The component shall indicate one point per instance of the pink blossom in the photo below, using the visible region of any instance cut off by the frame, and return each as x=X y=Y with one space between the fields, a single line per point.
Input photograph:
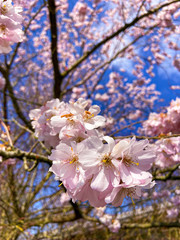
x=41 y=121
x=102 y=97
x=105 y=166
x=67 y=163
x=106 y=219
x=88 y=194
x=135 y=115
x=118 y=194
x=10 y=161
x=11 y=11
x=68 y=122
x=114 y=226
x=136 y=157
x=168 y=152
x=64 y=198
x=176 y=63
x=10 y=25
x=164 y=123
x=172 y=213
x=80 y=13
x=77 y=115
x=2 y=83
x=91 y=166
x=99 y=212
x=121 y=191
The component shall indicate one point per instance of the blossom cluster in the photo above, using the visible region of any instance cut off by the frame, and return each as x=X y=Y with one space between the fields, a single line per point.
x=10 y=25
x=171 y=203
x=113 y=223
x=90 y=165
x=58 y=121
x=163 y=123
x=168 y=152
x=173 y=210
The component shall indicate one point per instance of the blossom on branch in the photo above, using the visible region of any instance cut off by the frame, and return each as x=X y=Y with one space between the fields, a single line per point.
x=10 y=25
x=91 y=166
x=57 y=121
x=165 y=123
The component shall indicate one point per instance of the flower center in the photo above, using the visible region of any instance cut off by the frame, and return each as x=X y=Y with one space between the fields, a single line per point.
x=4 y=9
x=74 y=159
x=2 y=29
x=88 y=115
x=130 y=193
x=107 y=159
x=127 y=161
x=79 y=139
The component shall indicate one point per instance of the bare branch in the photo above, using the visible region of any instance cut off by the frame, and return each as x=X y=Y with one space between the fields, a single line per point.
x=150 y=225
x=17 y=153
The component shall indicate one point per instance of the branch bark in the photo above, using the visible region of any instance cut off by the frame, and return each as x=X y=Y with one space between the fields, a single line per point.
x=17 y=153
x=151 y=225
x=58 y=79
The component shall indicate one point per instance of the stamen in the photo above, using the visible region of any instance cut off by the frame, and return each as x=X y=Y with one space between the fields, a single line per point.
x=60 y=184
x=68 y=135
x=132 y=201
x=67 y=115
x=74 y=159
x=136 y=163
x=88 y=115
x=127 y=160
x=87 y=112
x=106 y=159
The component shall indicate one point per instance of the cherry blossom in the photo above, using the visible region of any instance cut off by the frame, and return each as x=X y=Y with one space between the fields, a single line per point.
x=10 y=25
x=168 y=152
x=135 y=158
x=64 y=198
x=113 y=224
x=41 y=121
x=60 y=121
x=67 y=165
x=91 y=166
x=2 y=82
x=163 y=123
x=121 y=191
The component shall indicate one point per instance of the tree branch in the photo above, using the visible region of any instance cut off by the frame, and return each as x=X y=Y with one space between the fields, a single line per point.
x=17 y=153
x=168 y=176
x=150 y=225
x=122 y=29
x=58 y=79
x=5 y=73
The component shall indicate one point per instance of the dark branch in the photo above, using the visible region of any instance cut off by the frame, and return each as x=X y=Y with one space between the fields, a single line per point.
x=16 y=105
x=54 y=54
